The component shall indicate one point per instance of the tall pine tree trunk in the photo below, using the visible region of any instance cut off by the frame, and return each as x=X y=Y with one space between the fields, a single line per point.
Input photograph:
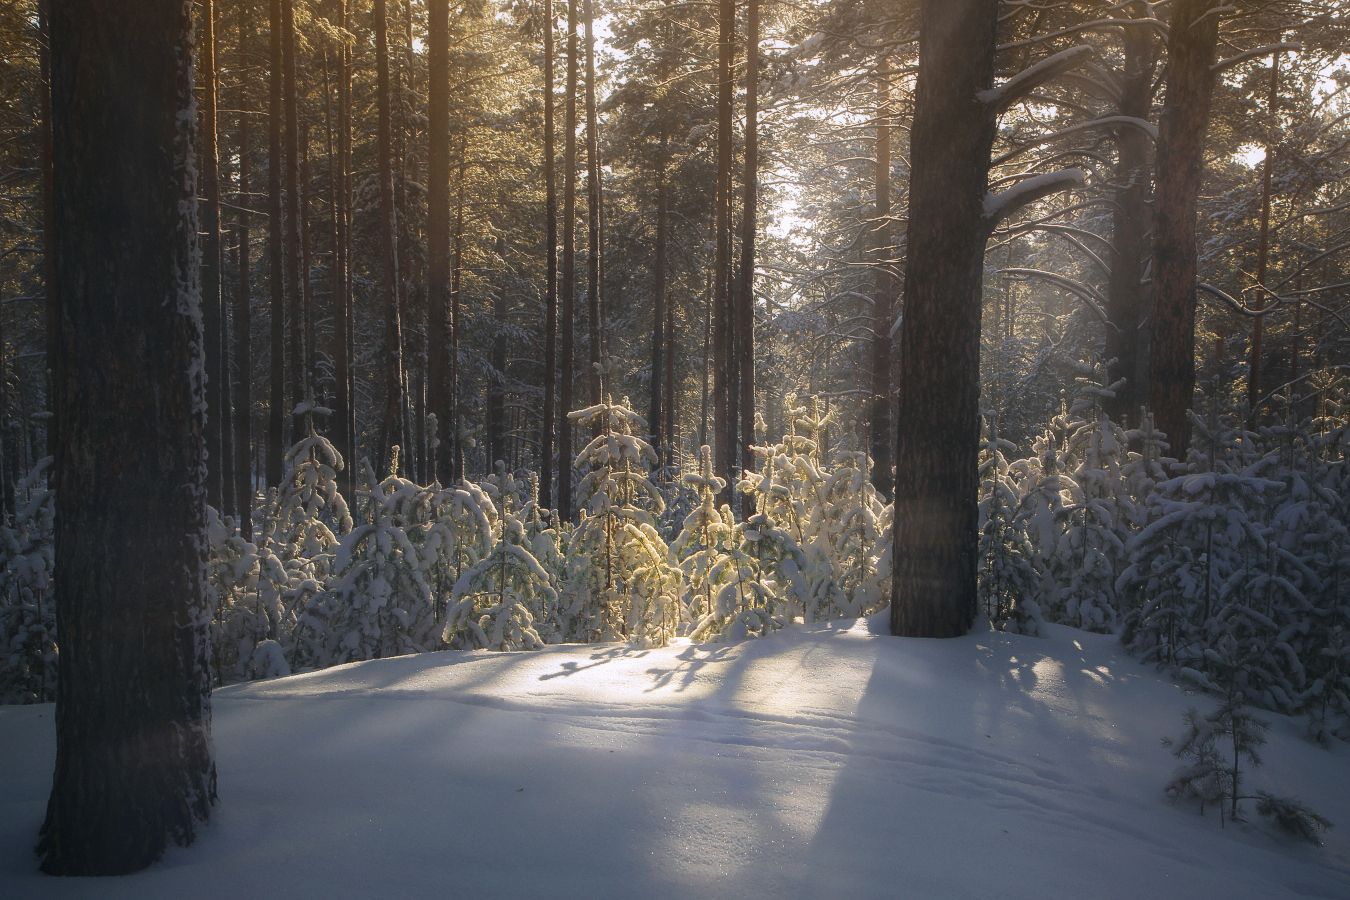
x=276 y=413
x=745 y=313
x=438 y=230
x=344 y=323
x=1192 y=38
x=134 y=769
x=548 y=427
x=456 y=445
x=392 y=427
x=594 y=235
x=568 y=287
x=243 y=315
x=933 y=591
x=1126 y=301
x=297 y=276
x=722 y=312
x=654 y=412
x=217 y=466
x=1254 y=376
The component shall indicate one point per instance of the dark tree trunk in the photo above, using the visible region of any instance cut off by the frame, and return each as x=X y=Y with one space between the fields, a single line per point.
x=548 y=428
x=456 y=446
x=438 y=231
x=1192 y=37
x=133 y=760
x=496 y=394
x=276 y=412
x=933 y=592
x=568 y=301
x=53 y=309
x=213 y=265
x=1126 y=301
x=594 y=235
x=243 y=316
x=745 y=313
x=1263 y=242
x=723 y=313
x=654 y=413
x=672 y=394
x=880 y=430
x=343 y=322
x=391 y=431
x=297 y=276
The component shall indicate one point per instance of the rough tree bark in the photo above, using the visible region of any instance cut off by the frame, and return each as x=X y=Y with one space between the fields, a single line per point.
x=392 y=427
x=745 y=294
x=1192 y=36
x=654 y=412
x=133 y=762
x=438 y=230
x=212 y=264
x=548 y=427
x=568 y=287
x=276 y=401
x=297 y=276
x=724 y=454
x=243 y=315
x=594 y=236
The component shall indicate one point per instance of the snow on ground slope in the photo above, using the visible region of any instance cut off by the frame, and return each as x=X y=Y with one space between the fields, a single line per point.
x=816 y=763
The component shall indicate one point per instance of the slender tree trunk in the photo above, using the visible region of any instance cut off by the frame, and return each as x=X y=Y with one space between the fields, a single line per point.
x=548 y=428
x=1192 y=38
x=133 y=718
x=725 y=453
x=53 y=306
x=309 y=349
x=568 y=287
x=438 y=230
x=654 y=413
x=594 y=239
x=456 y=445
x=745 y=318
x=276 y=413
x=1263 y=241
x=391 y=432
x=243 y=315
x=933 y=592
x=496 y=394
x=297 y=276
x=1126 y=300
x=881 y=431
x=344 y=323
x=672 y=394
x=212 y=264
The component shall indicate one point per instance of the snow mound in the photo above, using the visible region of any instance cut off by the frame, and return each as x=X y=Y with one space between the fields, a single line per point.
x=822 y=762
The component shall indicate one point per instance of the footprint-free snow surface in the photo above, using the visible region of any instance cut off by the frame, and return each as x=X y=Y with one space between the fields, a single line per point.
x=833 y=762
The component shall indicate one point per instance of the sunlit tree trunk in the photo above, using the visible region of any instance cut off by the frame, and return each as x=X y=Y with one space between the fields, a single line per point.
x=568 y=286
x=933 y=592
x=392 y=427
x=548 y=427
x=723 y=313
x=212 y=264
x=594 y=238
x=438 y=230
x=134 y=768
x=745 y=313
x=276 y=413
x=243 y=314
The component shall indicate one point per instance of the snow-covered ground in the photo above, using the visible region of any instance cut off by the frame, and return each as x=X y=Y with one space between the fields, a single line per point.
x=813 y=763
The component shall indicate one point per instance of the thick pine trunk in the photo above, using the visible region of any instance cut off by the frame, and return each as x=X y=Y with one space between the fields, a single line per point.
x=344 y=325
x=1192 y=38
x=548 y=427
x=276 y=402
x=568 y=286
x=880 y=430
x=133 y=763
x=1126 y=301
x=392 y=428
x=496 y=394
x=457 y=264
x=937 y=451
x=438 y=230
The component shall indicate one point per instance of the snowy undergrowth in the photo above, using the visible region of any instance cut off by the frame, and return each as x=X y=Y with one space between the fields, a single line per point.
x=814 y=762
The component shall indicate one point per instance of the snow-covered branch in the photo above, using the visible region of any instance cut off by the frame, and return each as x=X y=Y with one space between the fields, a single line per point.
x=1284 y=46
x=1000 y=206
x=1024 y=82
x=1105 y=121
x=1091 y=298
